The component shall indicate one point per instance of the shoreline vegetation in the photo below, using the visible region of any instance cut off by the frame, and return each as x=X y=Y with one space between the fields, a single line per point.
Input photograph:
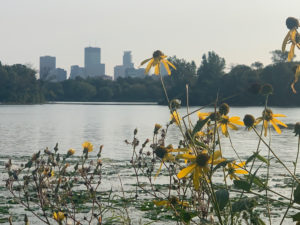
x=238 y=85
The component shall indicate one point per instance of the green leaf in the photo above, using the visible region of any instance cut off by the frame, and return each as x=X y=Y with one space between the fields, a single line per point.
x=251 y=158
x=297 y=194
x=260 y=221
x=258 y=156
x=244 y=204
x=200 y=144
x=199 y=125
x=242 y=184
x=221 y=164
x=296 y=217
x=263 y=159
x=222 y=197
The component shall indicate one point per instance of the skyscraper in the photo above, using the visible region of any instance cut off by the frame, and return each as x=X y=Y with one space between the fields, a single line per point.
x=127 y=59
x=47 y=63
x=92 y=62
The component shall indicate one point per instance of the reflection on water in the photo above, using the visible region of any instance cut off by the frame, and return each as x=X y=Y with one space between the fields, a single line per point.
x=25 y=129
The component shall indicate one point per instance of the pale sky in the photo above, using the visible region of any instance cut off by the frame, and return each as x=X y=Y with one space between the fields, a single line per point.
x=240 y=31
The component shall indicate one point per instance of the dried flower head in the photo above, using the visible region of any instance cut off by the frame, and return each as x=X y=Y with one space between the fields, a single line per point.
x=161 y=151
x=292 y=23
x=224 y=109
x=297 y=129
x=249 y=120
x=267 y=89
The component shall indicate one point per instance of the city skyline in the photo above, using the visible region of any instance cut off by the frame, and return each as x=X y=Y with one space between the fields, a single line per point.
x=242 y=32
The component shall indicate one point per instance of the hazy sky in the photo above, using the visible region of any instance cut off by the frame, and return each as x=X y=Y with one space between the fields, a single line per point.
x=240 y=31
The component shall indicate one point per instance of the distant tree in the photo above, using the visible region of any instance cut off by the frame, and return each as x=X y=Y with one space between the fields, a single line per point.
x=257 y=65
x=278 y=56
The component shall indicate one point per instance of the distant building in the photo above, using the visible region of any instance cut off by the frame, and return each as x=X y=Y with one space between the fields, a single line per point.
x=127 y=69
x=92 y=62
x=57 y=75
x=47 y=63
x=77 y=71
x=132 y=72
x=127 y=59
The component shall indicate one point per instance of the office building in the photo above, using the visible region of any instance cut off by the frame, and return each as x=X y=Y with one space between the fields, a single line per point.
x=57 y=75
x=92 y=62
x=77 y=71
x=47 y=63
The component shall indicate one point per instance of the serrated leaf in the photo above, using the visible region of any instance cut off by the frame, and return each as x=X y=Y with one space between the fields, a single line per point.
x=199 y=125
x=242 y=184
x=296 y=217
x=222 y=197
x=297 y=194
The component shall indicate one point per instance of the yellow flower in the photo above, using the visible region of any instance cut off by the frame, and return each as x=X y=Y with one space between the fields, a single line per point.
x=87 y=147
x=175 y=117
x=199 y=165
x=292 y=24
x=71 y=151
x=226 y=122
x=155 y=61
x=173 y=201
x=164 y=153
x=59 y=216
x=203 y=115
x=234 y=168
x=268 y=116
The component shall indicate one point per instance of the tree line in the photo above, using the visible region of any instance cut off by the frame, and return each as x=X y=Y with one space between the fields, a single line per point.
x=237 y=86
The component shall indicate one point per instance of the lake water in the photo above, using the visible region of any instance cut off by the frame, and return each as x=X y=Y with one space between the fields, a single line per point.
x=25 y=129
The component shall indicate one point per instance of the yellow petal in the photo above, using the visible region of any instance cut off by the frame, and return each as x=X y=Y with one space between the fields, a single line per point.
x=159 y=169
x=239 y=165
x=167 y=67
x=146 y=60
x=241 y=171
x=224 y=129
x=171 y=64
x=236 y=120
x=258 y=120
x=279 y=115
x=266 y=127
x=186 y=171
x=149 y=66
x=275 y=127
x=291 y=53
x=196 y=178
x=157 y=69
x=233 y=127
x=186 y=156
x=286 y=39
x=279 y=122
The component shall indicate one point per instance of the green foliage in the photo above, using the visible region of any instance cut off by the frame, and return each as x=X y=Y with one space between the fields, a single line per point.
x=222 y=197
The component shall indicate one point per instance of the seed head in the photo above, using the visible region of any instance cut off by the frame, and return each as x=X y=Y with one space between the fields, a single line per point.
x=157 y=54
x=224 y=109
x=291 y=23
x=297 y=129
x=267 y=114
x=202 y=159
x=249 y=120
x=160 y=152
x=267 y=89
